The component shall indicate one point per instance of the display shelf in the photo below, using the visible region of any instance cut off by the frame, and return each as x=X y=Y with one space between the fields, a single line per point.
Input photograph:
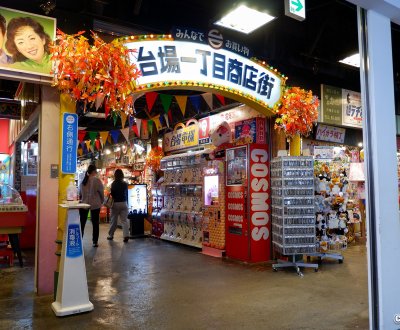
x=182 y=209
x=293 y=210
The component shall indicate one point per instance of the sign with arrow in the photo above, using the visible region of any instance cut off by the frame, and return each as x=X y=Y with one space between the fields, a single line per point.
x=296 y=9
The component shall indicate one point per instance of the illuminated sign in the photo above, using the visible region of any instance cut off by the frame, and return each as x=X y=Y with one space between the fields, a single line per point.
x=182 y=137
x=180 y=64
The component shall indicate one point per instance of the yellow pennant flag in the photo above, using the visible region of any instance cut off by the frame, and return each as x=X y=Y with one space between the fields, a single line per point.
x=103 y=137
x=123 y=118
x=156 y=119
x=87 y=142
x=181 y=100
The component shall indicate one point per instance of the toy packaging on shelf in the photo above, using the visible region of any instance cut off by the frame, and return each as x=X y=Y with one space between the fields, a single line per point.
x=293 y=210
x=181 y=190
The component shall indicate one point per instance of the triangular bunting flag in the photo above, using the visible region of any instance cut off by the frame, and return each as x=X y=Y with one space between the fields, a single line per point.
x=220 y=98
x=162 y=121
x=123 y=118
x=196 y=101
x=103 y=137
x=135 y=130
x=87 y=142
x=166 y=119
x=209 y=99
x=80 y=151
x=92 y=137
x=81 y=135
x=139 y=126
x=150 y=126
x=125 y=133
x=115 y=135
x=144 y=133
x=150 y=99
x=156 y=120
x=98 y=144
x=106 y=108
x=115 y=117
x=170 y=116
x=181 y=100
x=131 y=121
x=166 y=101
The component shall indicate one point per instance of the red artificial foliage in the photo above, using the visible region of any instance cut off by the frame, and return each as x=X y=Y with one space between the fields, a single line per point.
x=297 y=113
x=99 y=72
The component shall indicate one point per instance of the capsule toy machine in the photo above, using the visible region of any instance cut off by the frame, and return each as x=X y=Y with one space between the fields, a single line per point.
x=157 y=226
x=248 y=203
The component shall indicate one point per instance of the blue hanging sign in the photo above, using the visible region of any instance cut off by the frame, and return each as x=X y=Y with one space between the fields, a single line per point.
x=69 y=143
x=74 y=243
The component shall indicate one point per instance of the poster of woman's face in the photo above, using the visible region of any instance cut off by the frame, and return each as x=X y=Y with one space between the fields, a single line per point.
x=25 y=41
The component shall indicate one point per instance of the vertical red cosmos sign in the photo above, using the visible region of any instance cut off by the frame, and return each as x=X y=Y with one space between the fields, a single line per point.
x=259 y=204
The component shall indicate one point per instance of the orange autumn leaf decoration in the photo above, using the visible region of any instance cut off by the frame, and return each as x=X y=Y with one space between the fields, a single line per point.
x=94 y=73
x=153 y=159
x=297 y=113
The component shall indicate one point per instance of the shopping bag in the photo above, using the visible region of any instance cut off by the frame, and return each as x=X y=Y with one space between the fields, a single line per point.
x=109 y=202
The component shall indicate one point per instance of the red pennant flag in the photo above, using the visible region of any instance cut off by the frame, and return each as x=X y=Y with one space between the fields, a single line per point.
x=98 y=144
x=151 y=99
x=135 y=130
x=170 y=116
x=220 y=98
x=81 y=135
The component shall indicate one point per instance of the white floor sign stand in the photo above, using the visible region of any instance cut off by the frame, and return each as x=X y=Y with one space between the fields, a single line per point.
x=72 y=290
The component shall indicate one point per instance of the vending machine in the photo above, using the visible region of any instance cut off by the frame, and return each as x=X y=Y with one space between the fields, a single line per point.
x=248 y=203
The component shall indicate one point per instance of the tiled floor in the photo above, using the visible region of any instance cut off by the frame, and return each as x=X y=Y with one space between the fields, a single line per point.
x=152 y=284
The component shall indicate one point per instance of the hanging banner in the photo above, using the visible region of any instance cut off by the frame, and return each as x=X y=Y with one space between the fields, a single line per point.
x=195 y=100
x=115 y=135
x=181 y=100
x=330 y=133
x=151 y=99
x=69 y=143
x=15 y=59
x=340 y=107
x=166 y=101
x=103 y=137
x=208 y=98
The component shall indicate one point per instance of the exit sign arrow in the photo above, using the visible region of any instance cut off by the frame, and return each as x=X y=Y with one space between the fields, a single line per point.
x=299 y=6
x=296 y=9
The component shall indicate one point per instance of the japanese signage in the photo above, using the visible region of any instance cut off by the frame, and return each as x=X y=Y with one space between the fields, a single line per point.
x=324 y=152
x=351 y=108
x=137 y=198
x=69 y=143
x=250 y=130
x=330 y=133
x=204 y=130
x=183 y=63
x=181 y=138
x=14 y=57
x=74 y=243
x=341 y=106
x=331 y=100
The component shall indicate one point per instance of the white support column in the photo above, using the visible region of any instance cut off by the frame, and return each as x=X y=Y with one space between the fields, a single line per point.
x=381 y=167
x=47 y=205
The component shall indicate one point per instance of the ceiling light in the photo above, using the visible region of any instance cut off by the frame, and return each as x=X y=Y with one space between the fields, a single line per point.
x=353 y=60
x=244 y=19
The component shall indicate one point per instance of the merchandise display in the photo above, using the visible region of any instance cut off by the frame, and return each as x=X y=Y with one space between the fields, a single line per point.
x=293 y=211
x=182 y=190
x=214 y=206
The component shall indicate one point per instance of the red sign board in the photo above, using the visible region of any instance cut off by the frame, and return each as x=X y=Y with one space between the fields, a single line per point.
x=259 y=204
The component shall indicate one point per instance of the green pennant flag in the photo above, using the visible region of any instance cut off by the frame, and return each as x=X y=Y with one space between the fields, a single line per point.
x=115 y=117
x=150 y=126
x=92 y=137
x=166 y=101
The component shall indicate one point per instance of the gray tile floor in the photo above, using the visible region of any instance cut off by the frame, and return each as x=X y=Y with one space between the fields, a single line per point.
x=152 y=284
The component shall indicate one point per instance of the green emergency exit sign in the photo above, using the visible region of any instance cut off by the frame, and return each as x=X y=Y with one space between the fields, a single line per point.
x=296 y=9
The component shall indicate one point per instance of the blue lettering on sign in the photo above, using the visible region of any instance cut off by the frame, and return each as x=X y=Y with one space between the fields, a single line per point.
x=69 y=143
x=74 y=243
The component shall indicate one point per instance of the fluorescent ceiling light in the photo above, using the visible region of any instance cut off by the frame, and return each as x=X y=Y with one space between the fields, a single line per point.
x=353 y=60
x=244 y=19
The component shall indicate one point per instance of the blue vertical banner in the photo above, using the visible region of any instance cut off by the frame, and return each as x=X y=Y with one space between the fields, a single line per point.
x=69 y=143
x=74 y=243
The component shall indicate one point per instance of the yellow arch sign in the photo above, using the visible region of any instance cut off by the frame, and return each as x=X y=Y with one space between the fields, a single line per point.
x=166 y=63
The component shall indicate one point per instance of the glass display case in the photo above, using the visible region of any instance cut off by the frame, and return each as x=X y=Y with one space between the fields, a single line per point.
x=10 y=199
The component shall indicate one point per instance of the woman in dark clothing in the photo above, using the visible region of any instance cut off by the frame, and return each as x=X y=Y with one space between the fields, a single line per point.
x=91 y=192
x=119 y=193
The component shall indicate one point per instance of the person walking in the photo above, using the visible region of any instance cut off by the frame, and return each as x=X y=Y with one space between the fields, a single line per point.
x=119 y=193
x=91 y=192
